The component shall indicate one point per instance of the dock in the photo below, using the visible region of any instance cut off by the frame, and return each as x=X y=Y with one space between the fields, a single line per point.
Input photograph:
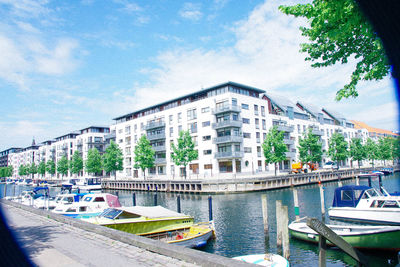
x=236 y=185
x=54 y=240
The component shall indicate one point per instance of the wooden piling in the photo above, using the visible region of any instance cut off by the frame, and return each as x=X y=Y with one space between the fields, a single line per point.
x=210 y=213
x=357 y=180
x=380 y=183
x=278 y=223
x=265 y=211
x=133 y=199
x=285 y=232
x=296 y=204
x=178 y=203
x=321 y=193
x=339 y=181
x=5 y=190
x=155 y=199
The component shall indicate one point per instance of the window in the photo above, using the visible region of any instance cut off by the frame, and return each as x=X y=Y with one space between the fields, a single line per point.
x=246 y=135
x=206 y=137
x=247 y=149
x=256 y=110
x=263 y=111
x=179 y=117
x=141 y=126
x=171 y=131
x=120 y=131
x=245 y=106
x=192 y=127
x=135 y=127
x=127 y=129
x=264 y=136
x=246 y=121
x=234 y=102
x=258 y=137
x=191 y=114
x=179 y=128
x=264 y=125
x=171 y=118
x=207 y=152
x=257 y=122
x=207 y=166
x=205 y=123
x=205 y=110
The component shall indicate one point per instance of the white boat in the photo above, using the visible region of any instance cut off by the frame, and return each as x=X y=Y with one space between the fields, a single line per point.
x=88 y=184
x=365 y=204
x=268 y=259
x=90 y=205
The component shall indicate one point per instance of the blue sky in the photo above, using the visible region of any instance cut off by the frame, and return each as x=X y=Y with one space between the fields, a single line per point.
x=66 y=65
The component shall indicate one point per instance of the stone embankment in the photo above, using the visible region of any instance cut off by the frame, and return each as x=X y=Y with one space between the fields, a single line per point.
x=236 y=185
x=53 y=240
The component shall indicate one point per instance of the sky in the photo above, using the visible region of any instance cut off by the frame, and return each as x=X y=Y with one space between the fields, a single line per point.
x=67 y=65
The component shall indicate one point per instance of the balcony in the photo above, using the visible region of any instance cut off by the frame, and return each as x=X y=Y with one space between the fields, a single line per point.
x=96 y=142
x=285 y=128
x=159 y=148
x=288 y=141
x=156 y=136
x=317 y=131
x=225 y=124
x=229 y=155
x=228 y=139
x=154 y=125
x=160 y=161
x=291 y=155
x=227 y=108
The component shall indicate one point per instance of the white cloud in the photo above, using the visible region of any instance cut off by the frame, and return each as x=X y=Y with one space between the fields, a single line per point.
x=191 y=11
x=27 y=8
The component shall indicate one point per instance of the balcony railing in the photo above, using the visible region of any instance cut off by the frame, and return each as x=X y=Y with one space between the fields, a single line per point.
x=154 y=125
x=224 y=124
x=317 y=131
x=290 y=154
x=156 y=136
x=160 y=160
x=229 y=154
x=228 y=139
x=227 y=108
x=288 y=141
x=285 y=128
x=159 y=148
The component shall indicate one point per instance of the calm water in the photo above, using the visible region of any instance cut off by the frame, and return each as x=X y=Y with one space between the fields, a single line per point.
x=239 y=224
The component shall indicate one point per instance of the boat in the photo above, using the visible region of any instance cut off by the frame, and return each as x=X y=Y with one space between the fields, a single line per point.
x=387 y=171
x=268 y=259
x=364 y=204
x=366 y=237
x=91 y=205
x=142 y=220
x=88 y=184
x=195 y=236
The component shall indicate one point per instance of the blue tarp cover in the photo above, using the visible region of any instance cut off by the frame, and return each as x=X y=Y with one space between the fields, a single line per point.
x=349 y=195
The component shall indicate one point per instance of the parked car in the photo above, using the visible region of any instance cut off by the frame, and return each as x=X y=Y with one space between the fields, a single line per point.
x=331 y=165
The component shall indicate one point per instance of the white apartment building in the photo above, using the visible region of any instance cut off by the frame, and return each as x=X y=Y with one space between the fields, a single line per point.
x=228 y=123
x=65 y=145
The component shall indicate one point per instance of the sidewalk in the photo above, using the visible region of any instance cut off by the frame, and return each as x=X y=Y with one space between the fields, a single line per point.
x=52 y=241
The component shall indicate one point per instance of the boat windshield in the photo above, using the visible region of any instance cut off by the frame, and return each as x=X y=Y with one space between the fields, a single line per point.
x=371 y=193
x=110 y=213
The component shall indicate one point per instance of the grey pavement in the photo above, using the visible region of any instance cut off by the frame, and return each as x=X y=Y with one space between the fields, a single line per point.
x=55 y=240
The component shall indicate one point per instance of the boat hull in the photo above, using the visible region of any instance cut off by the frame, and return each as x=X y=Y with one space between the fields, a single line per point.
x=388 y=239
x=373 y=216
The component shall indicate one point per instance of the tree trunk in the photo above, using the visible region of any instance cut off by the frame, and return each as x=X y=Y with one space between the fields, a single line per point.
x=276 y=164
x=115 y=175
x=185 y=172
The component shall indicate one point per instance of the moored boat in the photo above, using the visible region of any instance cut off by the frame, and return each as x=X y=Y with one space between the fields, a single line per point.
x=267 y=259
x=141 y=220
x=359 y=236
x=364 y=204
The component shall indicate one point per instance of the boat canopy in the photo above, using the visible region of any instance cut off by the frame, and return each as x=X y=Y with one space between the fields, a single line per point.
x=149 y=212
x=349 y=195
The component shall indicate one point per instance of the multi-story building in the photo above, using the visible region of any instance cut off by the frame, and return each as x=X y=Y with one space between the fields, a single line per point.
x=5 y=156
x=228 y=124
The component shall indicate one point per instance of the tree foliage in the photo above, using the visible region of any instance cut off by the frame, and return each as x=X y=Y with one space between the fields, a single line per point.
x=42 y=168
x=337 y=148
x=274 y=147
x=371 y=148
x=93 y=164
x=51 y=167
x=113 y=159
x=385 y=150
x=62 y=166
x=339 y=31
x=357 y=150
x=184 y=152
x=310 y=148
x=76 y=163
x=22 y=170
x=144 y=154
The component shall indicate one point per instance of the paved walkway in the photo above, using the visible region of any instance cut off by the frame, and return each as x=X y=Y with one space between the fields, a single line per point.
x=52 y=243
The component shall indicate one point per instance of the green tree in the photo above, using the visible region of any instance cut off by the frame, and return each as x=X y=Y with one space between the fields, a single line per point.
x=310 y=148
x=357 y=151
x=93 y=164
x=76 y=163
x=371 y=148
x=2 y=172
x=144 y=154
x=274 y=147
x=385 y=147
x=51 y=167
x=337 y=148
x=62 y=166
x=184 y=152
x=113 y=159
x=42 y=168
x=396 y=148
x=32 y=169
x=22 y=170
x=339 y=31
x=9 y=171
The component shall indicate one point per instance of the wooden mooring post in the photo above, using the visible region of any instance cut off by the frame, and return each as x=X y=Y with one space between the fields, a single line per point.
x=321 y=194
x=264 y=204
x=5 y=190
x=327 y=234
x=178 y=203
x=296 y=204
x=133 y=199
x=282 y=230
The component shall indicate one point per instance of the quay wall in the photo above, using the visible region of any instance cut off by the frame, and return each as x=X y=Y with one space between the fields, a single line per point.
x=193 y=256
x=237 y=185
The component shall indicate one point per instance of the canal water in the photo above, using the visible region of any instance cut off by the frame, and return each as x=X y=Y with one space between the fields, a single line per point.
x=239 y=222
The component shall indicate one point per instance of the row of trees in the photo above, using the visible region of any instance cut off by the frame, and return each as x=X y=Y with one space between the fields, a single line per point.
x=111 y=161
x=310 y=148
x=6 y=171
